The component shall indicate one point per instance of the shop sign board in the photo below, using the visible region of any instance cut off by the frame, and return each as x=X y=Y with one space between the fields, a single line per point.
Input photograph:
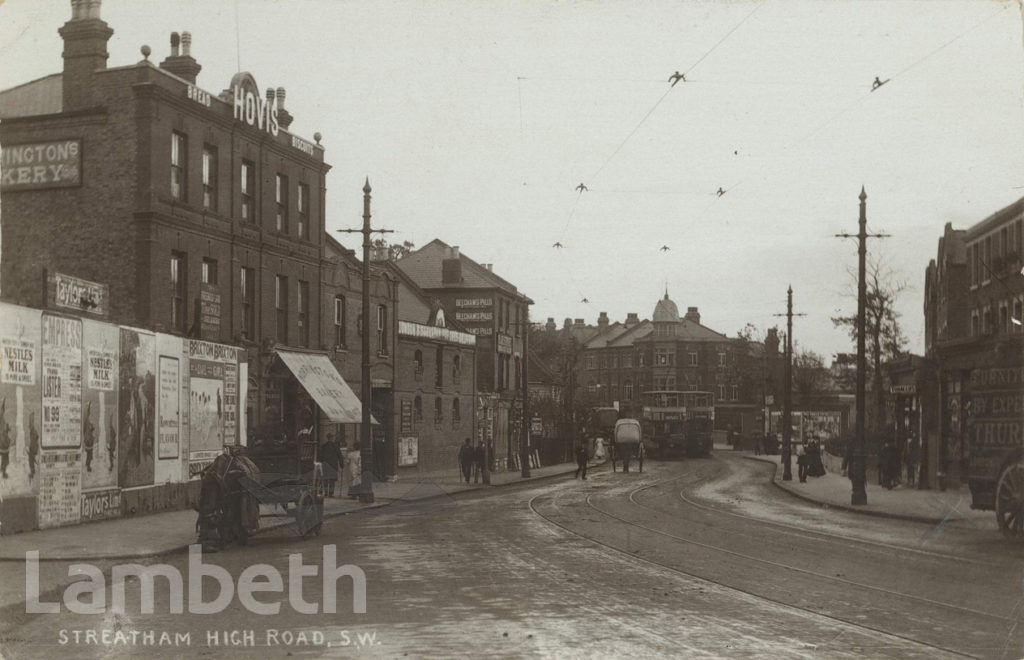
x=37 y=165
x=504 y=344
x=408 y=451
x=67 y=292
x=209 y=311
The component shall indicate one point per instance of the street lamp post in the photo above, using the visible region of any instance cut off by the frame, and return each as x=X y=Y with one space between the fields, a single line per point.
x=858 y=468
x=366 y=391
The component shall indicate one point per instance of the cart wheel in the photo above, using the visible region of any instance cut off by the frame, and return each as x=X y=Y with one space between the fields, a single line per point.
x=308 y=516
x=1010 y=501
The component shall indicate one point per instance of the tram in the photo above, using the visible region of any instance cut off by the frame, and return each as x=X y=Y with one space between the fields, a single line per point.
x=678 y=423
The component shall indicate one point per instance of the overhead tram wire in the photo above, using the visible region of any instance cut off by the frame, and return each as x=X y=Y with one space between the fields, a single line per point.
x=859 y=99
x=663 y=96
x=902 y=71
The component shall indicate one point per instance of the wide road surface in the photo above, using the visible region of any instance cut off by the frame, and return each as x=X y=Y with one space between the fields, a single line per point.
x=702 y=558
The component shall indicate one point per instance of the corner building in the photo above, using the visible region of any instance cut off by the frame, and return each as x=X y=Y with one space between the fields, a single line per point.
x=201 y=211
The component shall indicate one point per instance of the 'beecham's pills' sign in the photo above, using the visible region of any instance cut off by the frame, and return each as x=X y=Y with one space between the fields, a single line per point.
x=41 y=165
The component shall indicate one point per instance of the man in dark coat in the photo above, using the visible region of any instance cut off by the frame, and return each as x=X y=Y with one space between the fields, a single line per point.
x=466 y=460
x=479 y=460
x=581 y=460
x=329 y=455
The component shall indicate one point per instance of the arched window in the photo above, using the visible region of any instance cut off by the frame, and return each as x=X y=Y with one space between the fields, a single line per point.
x=417 y=361
x=417 y=409
x=456 y=413
x=439 y=367
x=456 y=368
x=627 y=390
x=438 y=411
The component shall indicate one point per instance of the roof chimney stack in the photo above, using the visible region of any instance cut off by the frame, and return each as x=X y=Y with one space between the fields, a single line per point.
x=451 y=267
x=632 y=319
x=692 y=315
x=85 y=50
x=580 y=323
x=181 y=63
x=550 y=325
x=284 y=118
x=602 y=321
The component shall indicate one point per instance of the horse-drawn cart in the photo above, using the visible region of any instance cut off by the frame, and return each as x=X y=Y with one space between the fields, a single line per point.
x=283 y=475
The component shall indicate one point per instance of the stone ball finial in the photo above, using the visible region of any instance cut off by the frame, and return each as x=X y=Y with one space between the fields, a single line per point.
x=146 y=51
x=317 y=137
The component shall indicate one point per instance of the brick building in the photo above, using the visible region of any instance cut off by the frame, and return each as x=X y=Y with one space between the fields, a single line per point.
x=669 y=352
x=497 y=313
x=435 y=388
x=958 y=400
x=200 y=211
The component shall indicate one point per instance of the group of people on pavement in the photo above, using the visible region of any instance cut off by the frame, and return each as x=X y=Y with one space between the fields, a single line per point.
x=472 y=461
x=808 y=460
x=891 y=462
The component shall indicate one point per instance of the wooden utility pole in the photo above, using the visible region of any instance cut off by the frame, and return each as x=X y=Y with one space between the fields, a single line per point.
x=366 y=391
x=524 y=449
x=787 y=392
x=858 y=468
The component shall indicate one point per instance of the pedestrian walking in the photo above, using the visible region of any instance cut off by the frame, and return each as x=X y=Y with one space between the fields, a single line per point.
x=758 y=444
x=911 y=461
x=354 y=468
x=801 y=462
x=479 y=459
x=466 y=460
x=329 y=455
x=581 y=460
x=885 y=463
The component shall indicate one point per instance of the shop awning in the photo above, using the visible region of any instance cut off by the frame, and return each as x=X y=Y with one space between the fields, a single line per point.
x=323 y=382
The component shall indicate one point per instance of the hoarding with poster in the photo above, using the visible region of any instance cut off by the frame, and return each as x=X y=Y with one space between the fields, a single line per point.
x=212 y=401
x=62 y=382
x=136 y=454
x=20 y=401
x=100 y=376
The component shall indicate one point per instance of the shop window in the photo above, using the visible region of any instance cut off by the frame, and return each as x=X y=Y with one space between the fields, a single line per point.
x=179 y=165
x=209 y=273
x=339 y=321
x=281 y=305
x=302 y=210
x=248 y=184
x=179 y=291
x=209 y=177
x=382 y=329
x=281 y=198
x=247 y=283
x=303 y=310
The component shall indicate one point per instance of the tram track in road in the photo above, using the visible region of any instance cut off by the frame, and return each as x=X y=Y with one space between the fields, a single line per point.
x=804 y=532
x=535 y=505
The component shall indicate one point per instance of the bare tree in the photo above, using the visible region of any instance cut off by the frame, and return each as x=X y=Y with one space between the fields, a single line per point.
x=395 y=250
x=810 y=376
x=884 y=336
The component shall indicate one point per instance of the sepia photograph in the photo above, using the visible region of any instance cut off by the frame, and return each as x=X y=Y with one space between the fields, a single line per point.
x=513 y=329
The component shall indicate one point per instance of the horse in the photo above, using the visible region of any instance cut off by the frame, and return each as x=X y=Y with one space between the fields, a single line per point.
x=227 y=511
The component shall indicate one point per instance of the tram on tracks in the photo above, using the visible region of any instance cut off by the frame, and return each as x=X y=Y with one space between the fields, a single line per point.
x=678 y=423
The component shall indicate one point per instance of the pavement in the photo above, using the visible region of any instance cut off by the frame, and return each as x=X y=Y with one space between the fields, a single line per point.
x=833 y=490
x=173 y=531
x=157 y=534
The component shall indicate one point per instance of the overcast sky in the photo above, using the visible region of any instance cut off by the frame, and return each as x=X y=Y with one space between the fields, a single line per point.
x=475 y=122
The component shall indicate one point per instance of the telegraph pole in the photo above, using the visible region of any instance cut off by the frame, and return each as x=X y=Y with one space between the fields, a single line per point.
x=858 y=470
x=366 y=392
x=524 y=448
x=787 y=393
